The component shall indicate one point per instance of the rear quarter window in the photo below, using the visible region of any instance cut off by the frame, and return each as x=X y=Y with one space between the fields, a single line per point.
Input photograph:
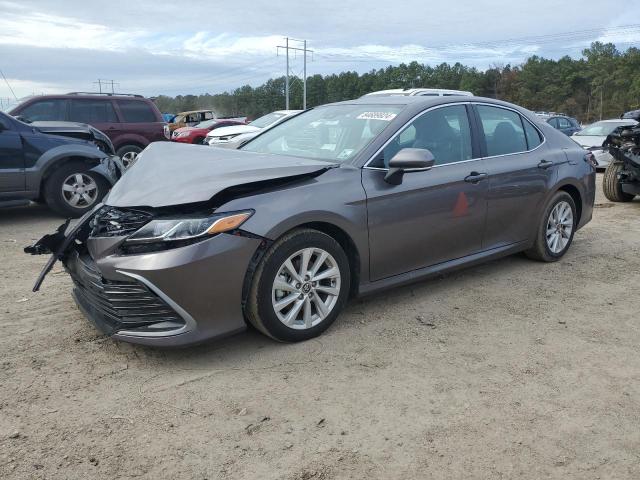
x=135 y=111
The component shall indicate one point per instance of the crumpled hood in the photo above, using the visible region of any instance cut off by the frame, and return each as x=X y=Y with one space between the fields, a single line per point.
x=167 y=173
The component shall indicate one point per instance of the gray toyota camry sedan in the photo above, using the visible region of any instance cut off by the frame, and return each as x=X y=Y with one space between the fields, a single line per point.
x=345 y=199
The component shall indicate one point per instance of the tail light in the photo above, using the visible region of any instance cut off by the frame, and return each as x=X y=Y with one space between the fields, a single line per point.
x=591 y=159
x=167 y=132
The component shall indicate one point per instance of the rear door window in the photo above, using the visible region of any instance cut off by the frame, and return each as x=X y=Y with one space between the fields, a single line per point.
x=92 y=111
x=135 y=111
x=563 y=123
x=503 y=131
x=45 y=110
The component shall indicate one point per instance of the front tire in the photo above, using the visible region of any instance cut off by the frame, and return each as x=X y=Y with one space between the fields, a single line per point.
x=300 y=286
x=72 y=189
x=611 y=184
x=556 y=229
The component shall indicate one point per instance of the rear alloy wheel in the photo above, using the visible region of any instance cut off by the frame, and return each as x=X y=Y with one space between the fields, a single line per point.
x=555 y=233
x=299 y=287
x=611 y=184
x=128 y=154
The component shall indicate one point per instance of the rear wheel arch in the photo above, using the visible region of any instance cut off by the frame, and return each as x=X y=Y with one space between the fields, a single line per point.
x=576 y=196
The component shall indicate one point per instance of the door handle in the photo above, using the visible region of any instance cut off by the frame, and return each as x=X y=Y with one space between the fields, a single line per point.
x=544 y=164
x=475 y=177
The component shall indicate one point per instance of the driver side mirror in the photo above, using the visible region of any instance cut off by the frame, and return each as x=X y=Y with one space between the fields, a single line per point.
x=407 y=160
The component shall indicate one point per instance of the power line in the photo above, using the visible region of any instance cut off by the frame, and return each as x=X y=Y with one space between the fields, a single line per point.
x=7 y=82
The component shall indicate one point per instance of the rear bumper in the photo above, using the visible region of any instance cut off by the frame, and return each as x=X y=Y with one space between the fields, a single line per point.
x=193 y=293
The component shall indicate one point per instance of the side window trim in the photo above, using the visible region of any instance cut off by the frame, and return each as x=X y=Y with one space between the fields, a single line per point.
x=522 y=119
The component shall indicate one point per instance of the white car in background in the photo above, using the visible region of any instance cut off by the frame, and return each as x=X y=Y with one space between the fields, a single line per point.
x=422 y=92
x=223 y=135
x=593 y=136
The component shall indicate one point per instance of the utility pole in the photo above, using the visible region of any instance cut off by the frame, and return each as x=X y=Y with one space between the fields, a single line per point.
x=106 y=82
x=601 y=98
x=304 y=74
x=286 y=87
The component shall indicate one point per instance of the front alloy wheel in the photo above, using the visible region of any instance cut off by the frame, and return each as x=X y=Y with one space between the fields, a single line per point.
x=79 y=190
x=299 y=287
x=306 y=288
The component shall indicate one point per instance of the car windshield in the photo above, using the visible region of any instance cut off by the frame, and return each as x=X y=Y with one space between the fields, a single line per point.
x=602 y=129
x=334 y=132
x=268 y=119
x=207 y=124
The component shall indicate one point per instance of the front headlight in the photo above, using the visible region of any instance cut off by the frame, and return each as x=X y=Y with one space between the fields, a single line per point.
x=176 y=229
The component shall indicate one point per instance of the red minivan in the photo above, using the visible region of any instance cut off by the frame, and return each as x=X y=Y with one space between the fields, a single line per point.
x=131 y=121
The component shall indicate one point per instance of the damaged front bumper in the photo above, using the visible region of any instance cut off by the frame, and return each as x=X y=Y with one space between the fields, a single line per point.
x=173 y=297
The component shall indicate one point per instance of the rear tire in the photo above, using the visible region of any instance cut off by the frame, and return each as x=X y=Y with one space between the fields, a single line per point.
x=310 y=306
x=553 y=241
x=611 y=184
x=71 y=183
x=128 y=154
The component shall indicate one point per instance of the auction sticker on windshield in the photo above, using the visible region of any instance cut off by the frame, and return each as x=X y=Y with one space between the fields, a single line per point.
x=386 y=116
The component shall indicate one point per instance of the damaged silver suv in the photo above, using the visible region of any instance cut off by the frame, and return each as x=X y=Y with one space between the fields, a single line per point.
x=344 y=199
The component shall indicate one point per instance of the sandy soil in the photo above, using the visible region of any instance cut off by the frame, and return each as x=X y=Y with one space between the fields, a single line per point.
x=513 y=369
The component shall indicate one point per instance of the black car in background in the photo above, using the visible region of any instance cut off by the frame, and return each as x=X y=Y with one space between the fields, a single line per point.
x=567 y=125
x=68 y=166
x=131 y=121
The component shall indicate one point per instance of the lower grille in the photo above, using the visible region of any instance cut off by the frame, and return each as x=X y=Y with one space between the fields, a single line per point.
x=118 y=305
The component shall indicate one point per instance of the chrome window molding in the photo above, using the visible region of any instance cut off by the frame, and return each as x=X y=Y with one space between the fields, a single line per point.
x=415 y=117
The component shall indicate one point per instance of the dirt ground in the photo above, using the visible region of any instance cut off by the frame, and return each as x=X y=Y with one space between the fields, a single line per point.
x=513 y=369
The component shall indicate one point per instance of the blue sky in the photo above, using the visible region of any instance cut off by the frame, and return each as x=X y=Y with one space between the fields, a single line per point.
x=153 y=47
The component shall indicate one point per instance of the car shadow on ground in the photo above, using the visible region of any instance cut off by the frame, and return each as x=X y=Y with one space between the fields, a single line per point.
x=26 y=214
x=248 y=347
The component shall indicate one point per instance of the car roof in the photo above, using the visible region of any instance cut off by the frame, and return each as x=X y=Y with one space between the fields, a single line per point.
x=83 y=95
x=418 y=91
x=196 y=111
x=419 y=100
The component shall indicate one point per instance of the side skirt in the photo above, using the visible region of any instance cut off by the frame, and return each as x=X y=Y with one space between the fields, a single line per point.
x=433 y=270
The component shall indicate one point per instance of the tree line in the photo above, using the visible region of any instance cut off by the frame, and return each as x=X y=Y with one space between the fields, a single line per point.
x=604 y=82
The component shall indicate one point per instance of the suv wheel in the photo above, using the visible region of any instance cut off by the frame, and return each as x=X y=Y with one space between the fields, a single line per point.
x=556 y=229
x=299 y=287
x=128 y=154
x=72 y=189
x=611 y=184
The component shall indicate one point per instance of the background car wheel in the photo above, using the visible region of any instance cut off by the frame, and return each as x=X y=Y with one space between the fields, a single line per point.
x=128 y=154
x=611 y=184
x=198 y=141
x=299 y=287
x=557 y=226
x=72 y=189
